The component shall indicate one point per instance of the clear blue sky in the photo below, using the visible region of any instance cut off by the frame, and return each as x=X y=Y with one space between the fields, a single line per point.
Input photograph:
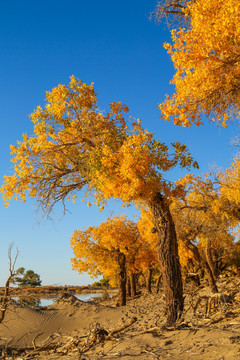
x=114 y=45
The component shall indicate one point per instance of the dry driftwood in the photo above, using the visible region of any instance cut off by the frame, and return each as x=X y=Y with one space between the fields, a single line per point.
x=123 y=327
x=99 y=334
x=212 y=302
x=96 y=335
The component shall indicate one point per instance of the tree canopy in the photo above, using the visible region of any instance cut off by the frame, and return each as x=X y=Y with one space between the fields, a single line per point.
x=76 y=147
x=112 y=248
x=206 y=57
x=26 y=278
x=205 y=222
x=95 y=248
x=229 y=181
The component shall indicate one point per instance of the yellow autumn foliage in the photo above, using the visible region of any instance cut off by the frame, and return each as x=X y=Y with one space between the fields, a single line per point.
x=230 y=183
x=76 y=147
x=96 y=248
x=205 y=217
x=206 y=58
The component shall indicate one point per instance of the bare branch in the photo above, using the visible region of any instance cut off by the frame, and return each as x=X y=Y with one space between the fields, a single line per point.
x=5 y=298
x=172 y=11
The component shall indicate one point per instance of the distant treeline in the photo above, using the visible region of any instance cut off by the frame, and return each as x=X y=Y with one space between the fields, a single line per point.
x=51 y=289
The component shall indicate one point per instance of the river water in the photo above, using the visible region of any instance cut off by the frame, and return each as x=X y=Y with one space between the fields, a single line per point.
x=41 y=301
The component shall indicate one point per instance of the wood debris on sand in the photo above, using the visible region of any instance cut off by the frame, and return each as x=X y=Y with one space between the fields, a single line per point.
x=72 y=329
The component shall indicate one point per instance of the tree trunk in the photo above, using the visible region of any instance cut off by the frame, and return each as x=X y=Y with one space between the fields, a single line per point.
x=122 y=278
x=203 y=263
x=211 y=280
x=128 y=286
x=208 y=252
x=133 y=285
x=217 y=256
x=158 y=283
x=168 y=257
x=149 y=280
x=5 y=299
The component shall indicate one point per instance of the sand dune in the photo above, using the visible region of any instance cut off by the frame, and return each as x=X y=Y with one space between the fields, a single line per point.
x=72 y=329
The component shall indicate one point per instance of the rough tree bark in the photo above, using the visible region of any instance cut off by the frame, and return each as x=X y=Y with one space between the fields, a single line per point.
x=158 y=283
x=122 y=278
x=168 y=258
x=133 y=285
x=211 y=280
x=149 y=280
x=204 y=264
x=128 y=286
x=208 y=253
x=217 y=256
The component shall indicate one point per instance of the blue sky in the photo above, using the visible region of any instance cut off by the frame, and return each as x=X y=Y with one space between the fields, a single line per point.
x=117 y=47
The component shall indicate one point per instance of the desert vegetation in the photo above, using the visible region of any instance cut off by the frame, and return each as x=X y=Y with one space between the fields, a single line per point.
x=183 y=245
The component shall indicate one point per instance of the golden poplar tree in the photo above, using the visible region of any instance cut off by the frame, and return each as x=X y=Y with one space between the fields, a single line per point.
x=78 y=150
x=111 y=248
x=229 y=183
x=205 y=222
x=206 y=56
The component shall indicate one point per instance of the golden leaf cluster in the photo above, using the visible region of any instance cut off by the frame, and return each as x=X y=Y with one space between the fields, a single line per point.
x=76 y=147
x=96 y=248
x=207 y=216
x=206 y=57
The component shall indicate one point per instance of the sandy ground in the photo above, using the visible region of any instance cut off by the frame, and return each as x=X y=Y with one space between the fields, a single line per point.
x=71 y=329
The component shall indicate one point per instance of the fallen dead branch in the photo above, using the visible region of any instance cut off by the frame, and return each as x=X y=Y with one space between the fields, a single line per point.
x=212 y=302
x=123 y=327
x=48 y=345
x=154 y=329
x=99 y=334
x=34 y=340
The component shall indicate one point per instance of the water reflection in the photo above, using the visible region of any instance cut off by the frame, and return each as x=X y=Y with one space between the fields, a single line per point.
x=45 y=301
x=29 y=300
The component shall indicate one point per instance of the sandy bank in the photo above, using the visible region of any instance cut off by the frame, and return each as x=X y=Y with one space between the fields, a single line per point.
x=72 y=329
